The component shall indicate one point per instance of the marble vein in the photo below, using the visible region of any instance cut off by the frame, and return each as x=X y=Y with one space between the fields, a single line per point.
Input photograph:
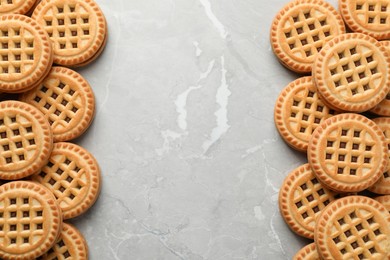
x=222 y=99
x=217 y=24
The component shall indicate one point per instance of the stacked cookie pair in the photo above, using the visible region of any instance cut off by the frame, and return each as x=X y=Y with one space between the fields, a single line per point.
x=348 y=153
x=45 y=178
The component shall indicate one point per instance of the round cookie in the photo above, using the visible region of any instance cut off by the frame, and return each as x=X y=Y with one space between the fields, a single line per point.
x=300 y=30
x=70 y=245
x=348 y=152
x=382 y=186
x=370 y=17
x=308 y=252
x=353 y=227
x=30 y=220
x=16 y=6
x=301 y=199
x=385 y=201
x=26 y=53
x=352 y=72
x=383 y=108
x=298 y=111
x=67 y=101
x=73 y=175
x=25 y=140
x=77 y=29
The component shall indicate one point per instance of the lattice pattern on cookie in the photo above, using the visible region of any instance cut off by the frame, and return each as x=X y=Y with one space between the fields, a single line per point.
x=59 y=101
x=306 y=32
x=59 y=251
x=358 y=229
x=68 y=26
x=354 y=71
x=21 y=221
x=65 y=178
x=310 y=198
x=307 y=112
x=373 y=12
x=16 y=50
x=349 y=151
x=17 y=140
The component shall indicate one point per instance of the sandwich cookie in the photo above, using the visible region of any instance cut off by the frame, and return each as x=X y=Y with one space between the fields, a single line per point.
x=300 y=30
x=26 y=140
x=73 y=175
x=348 y=152
x=353 y=227
x=26 y=53
x=301 y=199
x=77 y=29
x=30 y=220
x=298 y=111
x=352 y=72
x=308 y=252
x=67 y=101
x=70 y=245
x=370 y=17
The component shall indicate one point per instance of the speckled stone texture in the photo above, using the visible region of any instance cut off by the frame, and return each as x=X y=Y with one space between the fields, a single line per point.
x=184 y=133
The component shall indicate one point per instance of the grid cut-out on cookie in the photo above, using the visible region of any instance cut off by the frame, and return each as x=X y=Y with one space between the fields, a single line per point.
x=59 y=249
x=6 y=2
x=311 y=197
x=307 y=112
x=358 y=229
x=16 y=50
x=21 y=221
x=68 y=26
x=59 y=101
x=354 y=71
x=65 y=178
x=373 y=12
x=349 y=151
x=307 y=33
x=17 y=140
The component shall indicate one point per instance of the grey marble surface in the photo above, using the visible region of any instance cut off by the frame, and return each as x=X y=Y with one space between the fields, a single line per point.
x=184 y=133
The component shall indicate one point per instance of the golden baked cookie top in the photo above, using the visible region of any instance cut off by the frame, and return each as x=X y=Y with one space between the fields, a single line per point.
x=73 y=175
x=30 y=220
x=300 y=30
x=25 y=53
x=301 y=199
x=308 y=252
x=77 y=29
x=67 y=101
x=353 y=227
x=16 y=6
x=371 y=17
x=25 y=140
x=352 y=72
x=298 y=111
x=70 y=245
x=348 y=152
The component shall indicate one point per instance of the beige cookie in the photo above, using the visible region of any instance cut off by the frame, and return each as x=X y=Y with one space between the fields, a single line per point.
x=73 y=175
x=385 y=201
x=308 y=252
x=352 y=72
x=25 y=53
x=298 y=111
x=67 y=101
x=354 y=227
x=70 y=245
x=382 y=186
x=77 y=29
x=30 y=220
x=370 y=17
x=301 y=199
x=348 y=152
x=16 y=6
x=25 y=140
x=300 y=30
